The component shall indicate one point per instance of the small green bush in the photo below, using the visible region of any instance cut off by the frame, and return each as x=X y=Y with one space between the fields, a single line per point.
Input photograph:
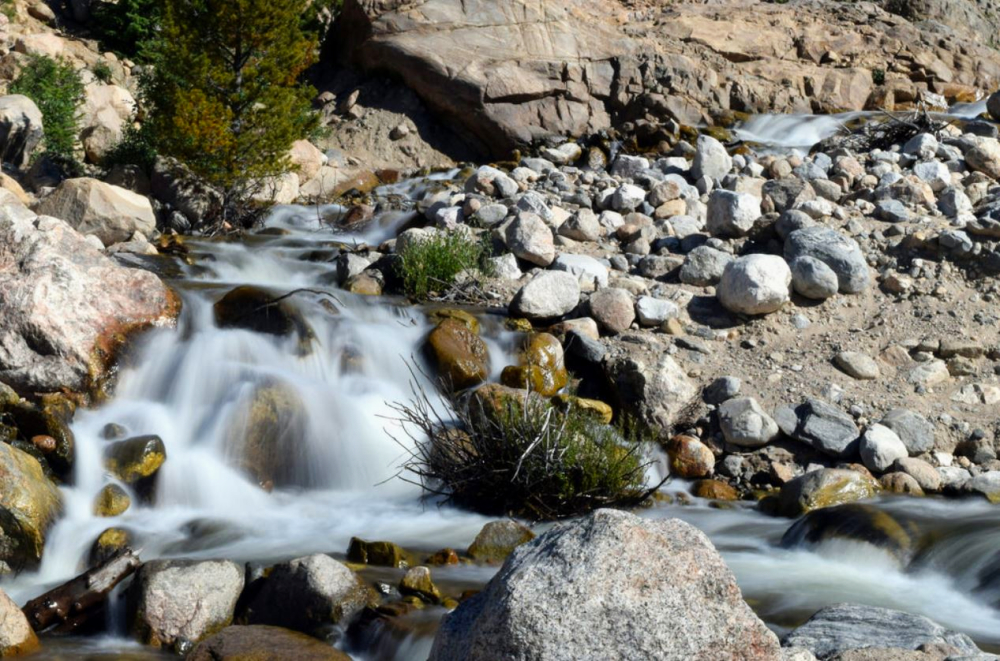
x=56 y=88
x=135 y=148
x=878 y=76
x=432 y=264
x=127 y=27
x=502 y=454
x=102 y=71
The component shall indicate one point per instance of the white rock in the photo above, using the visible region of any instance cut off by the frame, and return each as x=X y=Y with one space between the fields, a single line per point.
x=530 y=239
x=652 y=311
x=880 y=448
x=755 y=284
x=710 y=159
x=90 y=206
x=732 y=214
x=627 y=197
x=549 y=294
x=590 y=273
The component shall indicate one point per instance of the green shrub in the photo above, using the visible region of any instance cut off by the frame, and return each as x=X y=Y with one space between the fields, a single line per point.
x=504 y=454
x=135 y=148
x=127 y=27
x=878 y=76
x=56 y=88
x=102 y=71
x=432 y=264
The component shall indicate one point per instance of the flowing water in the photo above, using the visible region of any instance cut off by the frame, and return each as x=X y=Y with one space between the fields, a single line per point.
x=191 y=385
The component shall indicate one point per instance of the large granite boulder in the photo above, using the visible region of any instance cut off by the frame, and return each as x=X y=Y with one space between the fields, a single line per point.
x=110 y=213
x=609 y=586
x=65 y=306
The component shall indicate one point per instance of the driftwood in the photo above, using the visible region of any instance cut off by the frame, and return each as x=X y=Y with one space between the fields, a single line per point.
x=80 y=603
x=884 y=131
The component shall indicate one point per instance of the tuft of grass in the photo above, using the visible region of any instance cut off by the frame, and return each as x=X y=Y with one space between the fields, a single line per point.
x=56 y=88
x=432 y=264
x=504 y=452
x=102 y=71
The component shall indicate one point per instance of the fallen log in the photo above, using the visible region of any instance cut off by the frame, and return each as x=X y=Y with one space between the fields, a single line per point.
x=80 y=602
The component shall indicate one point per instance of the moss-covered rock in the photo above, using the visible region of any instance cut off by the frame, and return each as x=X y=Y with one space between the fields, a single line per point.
x=466 y=318
x=108 y=543
x=541 y=366
x=854 y=522
x=260 y=642
x=460 y=356
x=51 y=416
x=826 y=487
x=135 y=460
x=380 y=554
x=265 y=436
x=493 y=399
x=258 y=310
x=442 y=558
x=366 y=283
x=29 y=504
x=715 y=490
x=417 y=582
x=111 y=501
x=497 y=540
x=600 y=411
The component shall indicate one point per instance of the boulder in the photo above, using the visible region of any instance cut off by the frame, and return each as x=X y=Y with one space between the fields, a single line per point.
x=745 y=423
x=263 y=643
x=825 y=487
x=843 y=627
x=985 y=157
x=689 y=458
x=173 y=603
x=110 y=213
x=880 y=448
x=710 y=159
x=814 y=279
x=29 y=504
x=861 y=524
x=649 y=385
x=541 y=366
x=174 y=185
x=704 y=266
x=825 y=427
x=732 y=214
x=687 y=604
x=548 y=295
x=913 y=429
x=135 y=459
x=498 y=539
x=613 y=309
x=16 y=635
x=47 y=266
x=21 y=129
x=842 y=254
x=755 y=284
x=460 y=356
x=266 y=436
x=307 y=594
x=530 y=239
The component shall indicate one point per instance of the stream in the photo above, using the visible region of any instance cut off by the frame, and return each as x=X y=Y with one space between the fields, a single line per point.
x=190 y=385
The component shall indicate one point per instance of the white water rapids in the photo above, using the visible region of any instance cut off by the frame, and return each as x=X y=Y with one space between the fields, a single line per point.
x=186 y=386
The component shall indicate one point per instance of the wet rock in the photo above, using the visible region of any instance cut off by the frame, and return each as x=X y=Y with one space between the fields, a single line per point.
x=29 y=505
x=880 y=448
x=530 y=239
x=687 y=602
x=367 y=283
x=135 y=460
x=110 y=213
x=46 y=266
x=840 y=253
x=843 y=627
x=380 y=554
x=710 y=159
x=460 y=356
x=254 y=309
x=308 y=594
x=732 y=214
x=542 y=368
x=497 y=540
x=263 y=643
x=916 y=432
x=112 y=500
x=266 y=434
x=173 y=603
x=824 y=427
x=857 y=365
x=856 y=523
x=596 y=409
x=47 y=424
x=745 y=423
x=107 y=544
x=16 y=636
x=814 y=279
x=704 y=266
x=417 y=582
x=548 y=295
x=755 y=284
x=613 y=309
x=715 y=490
x=825 y=487
x=901 y=484
x=689 y=458
x=21 y=129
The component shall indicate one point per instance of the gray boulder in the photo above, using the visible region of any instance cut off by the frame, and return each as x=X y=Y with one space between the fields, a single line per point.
x=21 y=129
x=825 y=427
x=530 y=239
x=710 y=159
x=177 y=602
x=704 y=266
x=568 y=595
x=814 y=279
x=843 y=627
x=110 y=213
x=880 y=448
x=745 y=423
x=755 y=284
x=840 y=253
x=549 y=294
x=732 y=214
x=307 y=594
x=914 y=430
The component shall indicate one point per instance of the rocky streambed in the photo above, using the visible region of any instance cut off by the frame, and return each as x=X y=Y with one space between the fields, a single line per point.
x=813 y=337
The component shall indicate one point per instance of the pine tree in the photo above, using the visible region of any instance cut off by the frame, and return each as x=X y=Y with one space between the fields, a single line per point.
x=225 y=97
